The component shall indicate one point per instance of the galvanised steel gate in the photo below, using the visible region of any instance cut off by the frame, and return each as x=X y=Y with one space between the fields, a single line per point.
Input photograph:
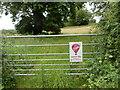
x=26 y=62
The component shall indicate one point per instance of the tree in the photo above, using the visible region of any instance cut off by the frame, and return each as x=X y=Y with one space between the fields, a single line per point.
x=36 y=17
x=79 y=15
x=82 y=17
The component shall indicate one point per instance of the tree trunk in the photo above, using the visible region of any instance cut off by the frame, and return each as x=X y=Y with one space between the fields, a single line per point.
x=38 y=19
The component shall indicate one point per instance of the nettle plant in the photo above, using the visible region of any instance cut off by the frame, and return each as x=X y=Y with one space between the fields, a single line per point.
x=104 y=73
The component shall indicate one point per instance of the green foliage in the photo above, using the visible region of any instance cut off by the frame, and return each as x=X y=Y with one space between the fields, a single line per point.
x=82 y=17
x=8 y=79
x=92 y=21
x=73 y=7
x=104 y=73
x=25 y=26
x=52 y=28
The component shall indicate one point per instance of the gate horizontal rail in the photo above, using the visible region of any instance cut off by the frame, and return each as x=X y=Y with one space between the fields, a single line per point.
x=30 y=36
x=50 y=69
x=47 y=64
x=50 y=74
x=48 y=45
x=50 y=59
x=76 y=73
x=47 y=54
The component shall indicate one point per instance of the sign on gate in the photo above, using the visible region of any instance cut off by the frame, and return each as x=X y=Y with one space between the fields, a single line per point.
x=75 y=49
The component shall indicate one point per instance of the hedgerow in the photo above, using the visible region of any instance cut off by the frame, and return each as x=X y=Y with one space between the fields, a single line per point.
x=104 y=73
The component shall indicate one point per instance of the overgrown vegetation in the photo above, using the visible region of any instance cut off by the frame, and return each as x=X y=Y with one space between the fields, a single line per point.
x=104 y=73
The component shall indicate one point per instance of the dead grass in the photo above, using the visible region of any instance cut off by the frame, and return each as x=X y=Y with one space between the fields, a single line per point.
x=78 y=30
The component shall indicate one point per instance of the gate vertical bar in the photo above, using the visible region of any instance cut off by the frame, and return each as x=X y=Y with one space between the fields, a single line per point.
x=1 y=58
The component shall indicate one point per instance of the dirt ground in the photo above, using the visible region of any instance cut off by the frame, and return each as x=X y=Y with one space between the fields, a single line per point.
x=78 y=29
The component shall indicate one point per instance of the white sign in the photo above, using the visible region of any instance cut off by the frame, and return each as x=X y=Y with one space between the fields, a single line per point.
x=75 y=49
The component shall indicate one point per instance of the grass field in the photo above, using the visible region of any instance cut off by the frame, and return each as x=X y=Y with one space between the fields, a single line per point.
x=78 y=30
x=57 y=79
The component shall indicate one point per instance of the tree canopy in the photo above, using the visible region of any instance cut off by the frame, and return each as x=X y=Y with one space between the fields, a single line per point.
x=82 y=17
x=38 y=17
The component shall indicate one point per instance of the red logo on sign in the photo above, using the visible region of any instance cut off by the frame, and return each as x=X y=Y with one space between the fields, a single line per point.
x=75 y=48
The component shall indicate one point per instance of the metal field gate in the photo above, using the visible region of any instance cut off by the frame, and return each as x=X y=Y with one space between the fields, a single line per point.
x=29 y=55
